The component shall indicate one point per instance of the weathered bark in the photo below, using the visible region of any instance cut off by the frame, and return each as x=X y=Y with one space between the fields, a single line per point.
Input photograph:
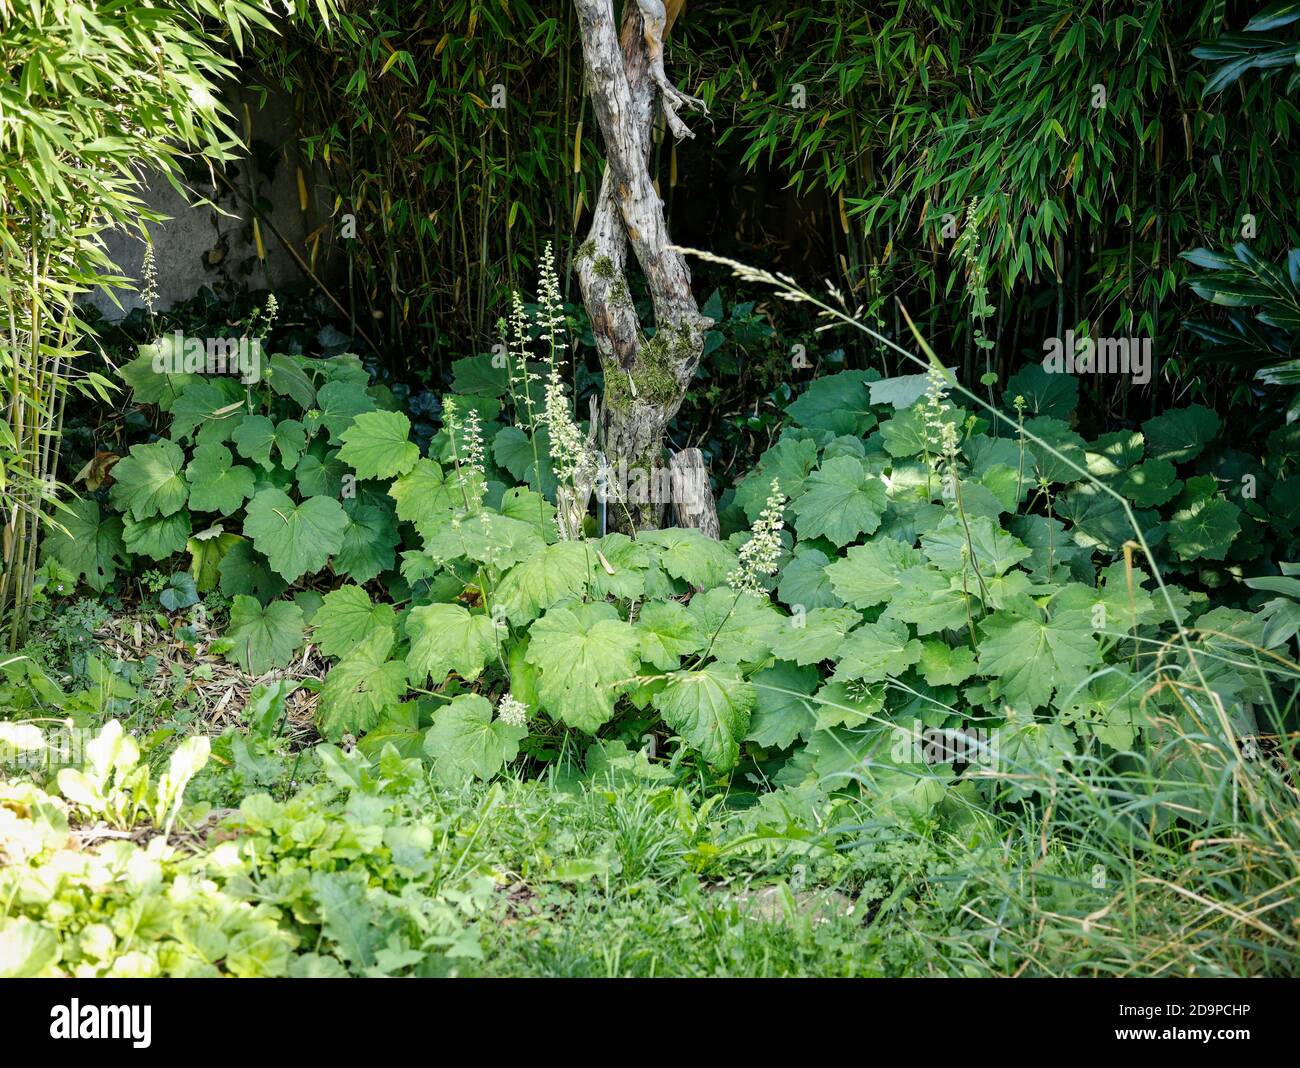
x=645 y=378
x=695 y=506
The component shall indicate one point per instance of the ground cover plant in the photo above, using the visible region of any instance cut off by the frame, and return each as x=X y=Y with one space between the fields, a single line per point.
x=964 y=665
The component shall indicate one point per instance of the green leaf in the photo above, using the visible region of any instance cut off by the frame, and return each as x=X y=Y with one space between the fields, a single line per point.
x=868 y=574
x=942 y=665
x=263 y=638
x=876 y=651
x=929 y=600
x=1206 y=525
x=666 y=632
x=989 y=547
x=789 y=461
x=296 y=538
x=244 y=570
x=805 y=580
x=425 y=497
x=620 y=567
x=1150 y=484
x=347 y=617
x=783 y=709
x=1045 y=393
x=378 y=445
x=338 y=404
x=257 y=436
x=215 y=486
x=208 y=411
x=361 y=687
x=545 y=578
x=710 y=710
x=369 y=541
x=288 y=379
x=840 y=403
x=816 y=637
x=1031 y=657
x=158 y=537
x=207 y=549
x=485 y=537
x=86 y=543
x=742 y=626
x=519 y=454
x=445 y=638
x=841 y=500
x=586 y=657
x=148 y=482
x=147 y=385
x=320 y=471
x=1181 y=434
x=465 y=741
x=688 y=555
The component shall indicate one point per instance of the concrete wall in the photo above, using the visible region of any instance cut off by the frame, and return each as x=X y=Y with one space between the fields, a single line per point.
x=203 y=246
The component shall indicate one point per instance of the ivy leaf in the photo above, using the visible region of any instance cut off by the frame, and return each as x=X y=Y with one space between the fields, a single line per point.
x=369 y=541
x=876 y=651
x=742 y=625
x=783 y=709
x=379 y=445
x=446 y=638
x=1181 y=434
x=466 y=741
x=868 y=574
x=688 y=555
x=942 y=665
x=338 y=404
x=215 y=486
x=1031 y=657
x=989 y=548
x=585 y=657
x=361 y=687
x=296 y=538
x=347 y=617
x=158 y=537
x=244 y=570
x=545 y=578
x=710 y=709
x=819 y=638
x=666 y=632
x=263 y=638
x=86 y=543
x=148 y=481
x=841 y=500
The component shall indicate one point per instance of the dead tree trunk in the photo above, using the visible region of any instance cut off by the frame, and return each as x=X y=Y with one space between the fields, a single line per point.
x=645 y=377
